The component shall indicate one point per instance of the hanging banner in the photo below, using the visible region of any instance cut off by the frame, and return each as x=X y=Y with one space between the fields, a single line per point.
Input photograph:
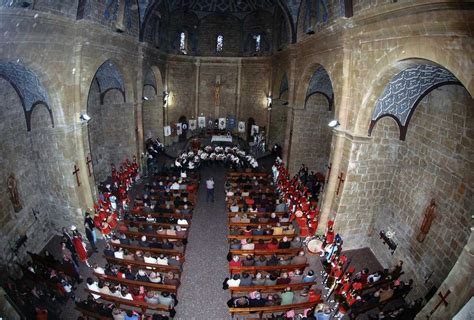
x=167 y=131
x=192 y=125
x=179 y=128
x=201 y=122
x=221 y=123
x=210 y=123
x=241 y=126
x=254 y=129
x=231 y=122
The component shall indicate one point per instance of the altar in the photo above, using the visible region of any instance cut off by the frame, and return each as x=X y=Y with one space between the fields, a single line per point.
x=221 y=138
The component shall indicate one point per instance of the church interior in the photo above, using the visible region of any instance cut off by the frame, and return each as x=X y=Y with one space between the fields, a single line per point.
x=356 y=116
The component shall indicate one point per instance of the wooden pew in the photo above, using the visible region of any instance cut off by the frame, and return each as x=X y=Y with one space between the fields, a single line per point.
x=231 y=214
x=255 y=225
x=138 y=235
x=144 y=265
x=143 y=306
x=155 y=224
x=247 y=174
x=137 y=284
x=255 y=269
x=272 y=309
x=157 y=251
x=263 y=237
x=45 y=262
x=279 y=252
x=187 y=216
x=92 y=315
x=274 y=288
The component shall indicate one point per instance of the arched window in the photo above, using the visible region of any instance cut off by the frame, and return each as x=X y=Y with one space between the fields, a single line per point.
x=220 y=43
x=258 y=42
x=183 y=43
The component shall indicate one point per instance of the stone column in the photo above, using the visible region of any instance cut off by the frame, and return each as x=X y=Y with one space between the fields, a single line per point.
x=196 y=96
x=459 y=282
x=330 y=188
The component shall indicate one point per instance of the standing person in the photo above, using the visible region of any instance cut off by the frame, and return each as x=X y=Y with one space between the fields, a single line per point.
x=79 y=246
x=89 y=226
x=210 y=189
x=67 y=239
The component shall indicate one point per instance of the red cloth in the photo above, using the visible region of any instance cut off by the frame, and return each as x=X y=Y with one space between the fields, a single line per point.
x=81 y=251
x=330 y=237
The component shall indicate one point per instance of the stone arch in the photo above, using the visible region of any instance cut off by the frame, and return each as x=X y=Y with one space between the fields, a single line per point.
x=320 y=83
x=321 y=77
x=28 y=87
x=406 y=89
x=109 y=77
x=153 y=111
x=284 y=87
x=390 y=64
x=107 y=104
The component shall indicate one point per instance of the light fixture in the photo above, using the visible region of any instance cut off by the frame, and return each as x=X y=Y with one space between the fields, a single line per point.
x=84 y=118
x=269 y=103
x=145 y=98
x=334 y=124
x=165 y=98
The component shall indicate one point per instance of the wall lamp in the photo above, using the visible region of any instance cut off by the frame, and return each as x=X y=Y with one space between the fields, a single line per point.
x=334 y=124
x=145 y=98
x=84 y=118
x=165 y=98
x=269 y=103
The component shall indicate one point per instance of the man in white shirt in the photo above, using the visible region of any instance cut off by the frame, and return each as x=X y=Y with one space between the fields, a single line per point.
x=210 y=189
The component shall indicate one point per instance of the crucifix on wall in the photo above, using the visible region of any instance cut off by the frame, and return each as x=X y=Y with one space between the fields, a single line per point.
x=341 y=182
x=88 y=163
x=217 y=95
x=76 y=173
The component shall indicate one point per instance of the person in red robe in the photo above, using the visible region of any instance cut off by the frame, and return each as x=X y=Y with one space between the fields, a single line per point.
x=79 y=246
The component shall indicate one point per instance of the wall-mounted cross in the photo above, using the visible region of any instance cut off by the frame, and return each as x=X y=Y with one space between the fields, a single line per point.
x=341 y=182
x=329 y=172
x=88 y=163
x=441 y=301
x=76 y=173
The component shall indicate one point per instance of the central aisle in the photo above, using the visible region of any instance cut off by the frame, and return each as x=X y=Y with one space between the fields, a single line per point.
x=200 y=295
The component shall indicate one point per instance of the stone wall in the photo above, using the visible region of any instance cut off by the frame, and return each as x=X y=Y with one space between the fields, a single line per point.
x=278 y=120
x=435 y=161
x=372 y=164
x=311 y=135
x=244 y=88
x=111 y=131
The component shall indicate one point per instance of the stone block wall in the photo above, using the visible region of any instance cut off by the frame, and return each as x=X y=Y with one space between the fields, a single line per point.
x=371 y=166
x=243 y=92
x=111 y=131
x=278 y=121
x=311 y=138
x=35 y=161
x=435 y=161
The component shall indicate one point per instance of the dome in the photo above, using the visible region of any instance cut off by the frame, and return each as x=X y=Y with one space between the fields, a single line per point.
x=227 y=6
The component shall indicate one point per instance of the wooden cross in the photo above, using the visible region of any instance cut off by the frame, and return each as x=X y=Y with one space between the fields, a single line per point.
x=341 y=181
x=329 y=172
x=88 y=162
x=76 y=173
x=441 y=301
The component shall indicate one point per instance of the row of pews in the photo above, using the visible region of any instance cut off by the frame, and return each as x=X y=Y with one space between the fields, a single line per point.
x=240 y=226
x=164 y=225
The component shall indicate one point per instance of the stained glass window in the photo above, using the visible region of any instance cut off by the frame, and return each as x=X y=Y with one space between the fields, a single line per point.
x=258 y=41
x=182 y=43
x=220 y=43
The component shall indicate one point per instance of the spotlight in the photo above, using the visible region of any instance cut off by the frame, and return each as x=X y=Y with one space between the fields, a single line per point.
x=84 y=118
x=145 y=98
x=334 y=124
x=165 y=98
x=269 y=103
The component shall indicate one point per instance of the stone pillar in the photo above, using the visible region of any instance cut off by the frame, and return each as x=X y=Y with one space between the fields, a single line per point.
x=138 y=107
x=459 y=282
x=196 y=96
x=330 y=188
